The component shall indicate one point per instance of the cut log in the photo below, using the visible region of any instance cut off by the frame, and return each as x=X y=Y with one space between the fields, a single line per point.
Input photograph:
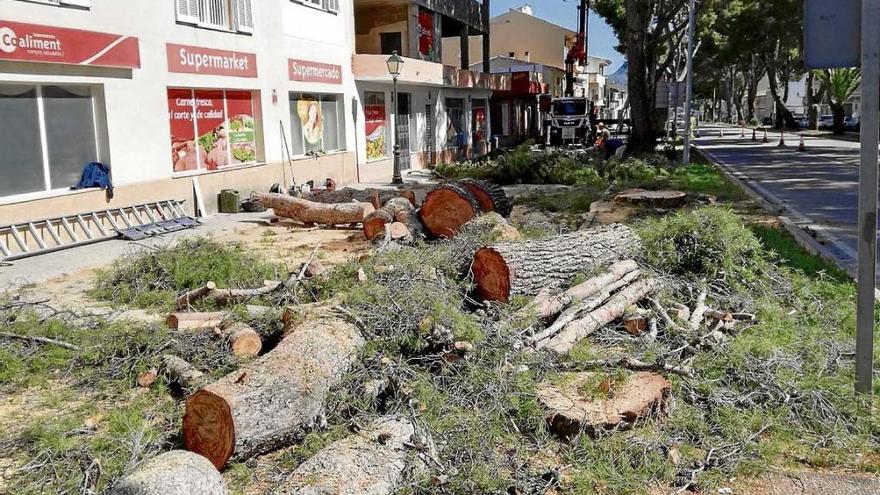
x=195 y=321
x=497 y=226
x=374 y=223
x=243 y=340
x=569 y=412
x=173 y=473
x=657 y=199
x=183 y=373
x=184 y=301
x=399 y=232
x=490 y=196
x=446 y=208
x=228 y=297
x=397 y=210
x=524 y=268
x=377 y=197
x=310 y=212
x=547 y=306
x=580 y=329
x=269 y=402
x=375 y=461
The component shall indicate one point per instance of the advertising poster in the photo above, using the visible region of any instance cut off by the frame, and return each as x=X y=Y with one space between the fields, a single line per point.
x=479 y=123
x=242 y=127
x=312 y=121
x=426 y=34
x=184 y=150
x=212 y=135
x=374 y=110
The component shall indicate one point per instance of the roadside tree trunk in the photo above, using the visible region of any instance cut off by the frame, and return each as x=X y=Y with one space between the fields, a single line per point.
x=269 y=402
x=839 y=115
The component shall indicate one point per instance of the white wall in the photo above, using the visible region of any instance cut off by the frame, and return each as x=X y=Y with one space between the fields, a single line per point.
x=136 y=100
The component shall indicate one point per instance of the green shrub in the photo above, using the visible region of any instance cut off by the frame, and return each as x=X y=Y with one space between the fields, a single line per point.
x=708 y=242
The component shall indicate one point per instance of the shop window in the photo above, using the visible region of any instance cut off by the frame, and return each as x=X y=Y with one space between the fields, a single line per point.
x=455 y=123
x=52 y=140
x=317 y=123
x=376 y=122
x=212 y=129
x=226 y=15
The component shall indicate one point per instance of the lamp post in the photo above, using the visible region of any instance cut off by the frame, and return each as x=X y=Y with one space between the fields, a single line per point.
x=394 y=62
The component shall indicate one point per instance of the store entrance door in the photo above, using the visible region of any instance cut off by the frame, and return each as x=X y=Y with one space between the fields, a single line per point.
x=403 y=118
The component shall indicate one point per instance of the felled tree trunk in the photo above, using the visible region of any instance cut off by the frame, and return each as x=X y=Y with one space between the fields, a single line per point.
x=185 y=374
x=195 y=321
x=267 y=403
x=310 y=212
x=243 y=340
x=372 y=462
x=490 y=196
x=377 y=197
x=173 y=473
x=446 y=208
x=514 y=268
x=580 y=329
x=398 y=210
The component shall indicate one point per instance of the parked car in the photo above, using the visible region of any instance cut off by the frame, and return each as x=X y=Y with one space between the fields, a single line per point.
x=826 y=121
x=767 y=121
x=852 y=123
x=803 y=121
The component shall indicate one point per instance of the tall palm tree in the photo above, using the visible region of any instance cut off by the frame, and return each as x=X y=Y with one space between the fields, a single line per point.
x=839 y=85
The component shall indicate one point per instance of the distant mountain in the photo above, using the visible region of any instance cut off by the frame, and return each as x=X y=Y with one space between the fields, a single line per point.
x=619 y=77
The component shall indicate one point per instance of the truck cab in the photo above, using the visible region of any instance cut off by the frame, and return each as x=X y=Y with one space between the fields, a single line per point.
x=569 y=121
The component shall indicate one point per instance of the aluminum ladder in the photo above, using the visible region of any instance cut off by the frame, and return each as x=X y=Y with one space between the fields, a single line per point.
x=36 y=237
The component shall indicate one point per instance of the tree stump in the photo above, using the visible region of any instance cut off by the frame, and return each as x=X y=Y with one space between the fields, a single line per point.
x=490 y=196
x=656 y=199
x=173 y=473
x=268 y=403
x=446 y=208
x=375 y=461
x=524 y=268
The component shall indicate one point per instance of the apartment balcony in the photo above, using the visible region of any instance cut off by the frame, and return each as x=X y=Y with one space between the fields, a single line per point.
x=373 y=68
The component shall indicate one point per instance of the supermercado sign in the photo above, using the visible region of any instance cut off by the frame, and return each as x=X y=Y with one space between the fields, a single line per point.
x=306 y=71
x=36 y=43
x=186 y=59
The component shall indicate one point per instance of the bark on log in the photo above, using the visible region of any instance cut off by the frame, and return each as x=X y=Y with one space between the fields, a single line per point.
x=524 y=268
x=446 y=208
x=490 y=196
x=177 y=370
x=195 y=321
x=580 y=329
x=271 y=401
x=377 y=197
x=547 y=306
x=398 y=210
x=185 y=300
x=374 y=461
x=374 y=224
x=310 y=212
x=173 y=473
x=243 y=340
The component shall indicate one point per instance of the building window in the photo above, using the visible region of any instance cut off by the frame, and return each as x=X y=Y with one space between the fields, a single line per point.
x=511 y=54
x=391 y=43
x=328 y=5
x=375 y=120
x=317 y=123
x=225 y=15
x=455 y=123
x=53 y=138
x=212 y=128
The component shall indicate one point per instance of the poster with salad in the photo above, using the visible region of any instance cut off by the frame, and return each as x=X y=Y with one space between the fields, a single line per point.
x=211 y=129
x=374 y=110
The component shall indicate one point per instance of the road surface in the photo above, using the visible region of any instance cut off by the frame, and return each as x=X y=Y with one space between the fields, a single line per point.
x=817 y=189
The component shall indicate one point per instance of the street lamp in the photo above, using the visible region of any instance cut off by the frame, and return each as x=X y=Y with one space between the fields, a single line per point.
x=394 y=62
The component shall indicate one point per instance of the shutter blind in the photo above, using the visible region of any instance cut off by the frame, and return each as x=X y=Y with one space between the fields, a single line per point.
x=188 y=11
x=244 y=16
x=331 y=5
x=78 y=3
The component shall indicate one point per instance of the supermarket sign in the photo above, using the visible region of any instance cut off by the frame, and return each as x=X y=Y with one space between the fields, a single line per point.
x=307 y=71
x=185 y=59
x=48 y=44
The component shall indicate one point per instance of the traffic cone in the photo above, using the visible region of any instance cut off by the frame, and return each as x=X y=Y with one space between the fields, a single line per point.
x=802 y=146
x=765 y=140
x=781 y=139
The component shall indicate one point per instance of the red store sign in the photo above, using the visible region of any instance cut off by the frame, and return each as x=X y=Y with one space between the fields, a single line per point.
x=306 y=71
x=36 y=43
x=184 y=59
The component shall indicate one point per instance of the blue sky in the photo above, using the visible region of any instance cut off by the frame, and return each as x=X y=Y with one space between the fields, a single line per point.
x=564 y=12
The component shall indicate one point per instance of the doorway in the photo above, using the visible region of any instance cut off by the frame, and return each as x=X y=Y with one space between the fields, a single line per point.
x=404 y=105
